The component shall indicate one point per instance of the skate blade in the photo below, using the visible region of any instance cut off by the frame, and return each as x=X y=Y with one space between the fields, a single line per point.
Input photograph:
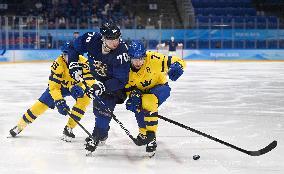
x=102 y=143
x=89 y=154
x=10 y=136
x=151 y=154
x=66 y=139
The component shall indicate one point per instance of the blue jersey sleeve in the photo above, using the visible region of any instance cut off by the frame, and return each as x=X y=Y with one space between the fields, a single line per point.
x=80 y=45
x=121 y=67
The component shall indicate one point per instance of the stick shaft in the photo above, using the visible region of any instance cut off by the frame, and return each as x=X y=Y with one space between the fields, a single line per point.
x=252 y=153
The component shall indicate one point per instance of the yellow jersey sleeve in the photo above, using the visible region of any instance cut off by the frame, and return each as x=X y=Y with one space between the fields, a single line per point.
x=167 y=61
x=164 y=62
x=55 y=78
x=173 y=59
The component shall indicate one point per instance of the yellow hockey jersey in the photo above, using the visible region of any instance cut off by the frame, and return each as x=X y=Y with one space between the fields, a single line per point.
x=153 y=72
x=60 y=76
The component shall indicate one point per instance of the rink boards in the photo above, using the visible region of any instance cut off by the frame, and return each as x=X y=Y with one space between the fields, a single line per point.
x=204 y=54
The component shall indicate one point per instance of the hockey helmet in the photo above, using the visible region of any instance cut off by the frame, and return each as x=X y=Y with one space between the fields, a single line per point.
x=136 y=50
x=64 y=47
x=110 y=30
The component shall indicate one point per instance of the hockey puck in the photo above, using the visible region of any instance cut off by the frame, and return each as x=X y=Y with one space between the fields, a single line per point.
x=196 y=157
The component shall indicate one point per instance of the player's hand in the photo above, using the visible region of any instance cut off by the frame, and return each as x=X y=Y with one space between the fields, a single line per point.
x=77 y=92
x=62 y=107
x=134 y=101
x=175 y=71
x=76 y=71
x=97 y=89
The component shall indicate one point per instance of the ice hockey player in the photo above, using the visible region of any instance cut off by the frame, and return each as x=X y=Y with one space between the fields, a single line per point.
x=109 y=64
x=60 y=85
x=148 y=88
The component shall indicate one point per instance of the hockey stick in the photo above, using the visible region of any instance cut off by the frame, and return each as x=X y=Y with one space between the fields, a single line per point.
x=112 y=114
x=84 y=129
x=262 y=151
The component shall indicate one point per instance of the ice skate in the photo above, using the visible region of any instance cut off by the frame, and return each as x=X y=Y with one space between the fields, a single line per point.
x=68 y=134
x=102 y=141
x=151 y=148
x=14 y=132
x=141 y=139
x=91 y=145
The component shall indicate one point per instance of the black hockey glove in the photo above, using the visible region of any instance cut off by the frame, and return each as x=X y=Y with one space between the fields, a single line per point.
x=75 y=71
x=97 y=89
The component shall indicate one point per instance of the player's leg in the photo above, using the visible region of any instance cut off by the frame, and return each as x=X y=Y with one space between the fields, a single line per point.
x=150 y=103
x=141 y=137
x=102 y=119
x=77 y=112
x=42 y=104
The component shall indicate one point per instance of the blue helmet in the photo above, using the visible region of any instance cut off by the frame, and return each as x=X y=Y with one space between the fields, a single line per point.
x=136 y=50
x=110 y=31
x=64 y=47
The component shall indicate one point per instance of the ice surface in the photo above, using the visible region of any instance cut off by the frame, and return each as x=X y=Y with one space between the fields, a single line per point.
x=241 y=103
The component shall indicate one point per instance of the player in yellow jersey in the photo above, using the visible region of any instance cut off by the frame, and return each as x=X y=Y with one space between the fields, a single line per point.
x=148 y=88
x=60 y=85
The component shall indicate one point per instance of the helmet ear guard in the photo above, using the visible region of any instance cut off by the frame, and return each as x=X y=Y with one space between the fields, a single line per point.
x=136 y=50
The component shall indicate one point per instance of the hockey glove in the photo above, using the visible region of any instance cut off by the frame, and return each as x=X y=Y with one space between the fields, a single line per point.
x=76 y=70
x=134 y=101
x=175 y=71
x=77 y=92
x=97 y=89
x=62 y=106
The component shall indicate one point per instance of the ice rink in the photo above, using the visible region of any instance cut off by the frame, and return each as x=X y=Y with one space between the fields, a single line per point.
x=239 y=102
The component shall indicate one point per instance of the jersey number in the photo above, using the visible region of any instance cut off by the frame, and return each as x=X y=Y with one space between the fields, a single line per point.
x=154 y=56
x=123 y=57
x=55 y=65
x=90 y=36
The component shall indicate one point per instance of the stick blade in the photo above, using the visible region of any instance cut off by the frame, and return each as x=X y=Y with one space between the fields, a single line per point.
x=268 y=148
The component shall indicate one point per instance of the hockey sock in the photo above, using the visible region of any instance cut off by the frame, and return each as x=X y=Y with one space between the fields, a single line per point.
x=78 y=111
x=32 y=113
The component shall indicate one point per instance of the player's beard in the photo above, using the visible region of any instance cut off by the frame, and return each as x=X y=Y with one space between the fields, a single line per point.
x=105 y=48
x=109 y=45
x=137 y=66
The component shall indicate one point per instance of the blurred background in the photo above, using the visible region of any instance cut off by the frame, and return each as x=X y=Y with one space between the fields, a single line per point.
x=197 y=24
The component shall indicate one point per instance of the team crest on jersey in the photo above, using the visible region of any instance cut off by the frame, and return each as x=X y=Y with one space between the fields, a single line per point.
x=146 y=83
x=100 y=68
